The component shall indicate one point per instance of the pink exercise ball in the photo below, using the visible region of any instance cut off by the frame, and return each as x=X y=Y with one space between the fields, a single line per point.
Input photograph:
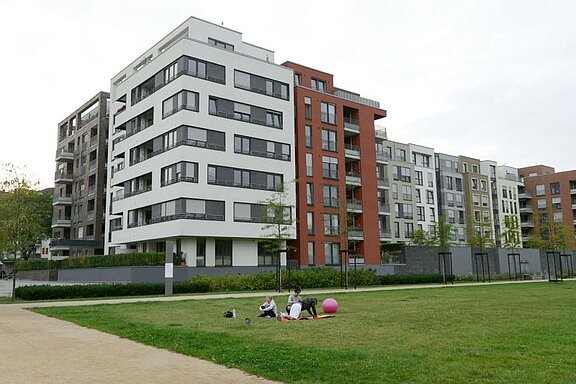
x=330 y=306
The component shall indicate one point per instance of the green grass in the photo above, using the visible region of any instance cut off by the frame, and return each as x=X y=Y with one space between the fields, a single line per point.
x=519 y=333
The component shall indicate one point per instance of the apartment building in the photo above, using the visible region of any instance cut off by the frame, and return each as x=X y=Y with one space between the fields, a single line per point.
x=202 y=137
x=80 y=180
x=338 y=181
x=451 y=195
x=505 y=185
x=424 y=187
x=477 y=200
x=547 y=197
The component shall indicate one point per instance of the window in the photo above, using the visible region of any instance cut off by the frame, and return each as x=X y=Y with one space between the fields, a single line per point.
x=182 y=100
x=465 y=167
x=557 y=217
x=310 y=222
x=449 y=182
x=429 y=197
x=220 y=44
x=309 y=194
x=458 y=184
x=407 y=192
x=403 y=211
x=418 y=196
x=450 y=199
x=308 y=135
x=223 y=253
x=474 y=184
x=419 y=178
x=169 y=139
x=395 y=191
x=318 y=85
x=432 y=214
x=400 y=154
x=476 y=199
x=555 y=188
x=170 y=72
x=328 y=113
x=261 y=85
x=200 y=251
x=485 y=216
x=331 y=224
x=180 y=172
x=330 y=196
x=265 y=257
x=505 y=192
x=556 y=203
x=408 y=230
x=311 y=253
x=309 y=167
x=540 y=190
x=329 y=140
x=330 y=167
x=297 y=79
x=459 y=202
x=243 y=178
x=402 y=174
x=397 y=229
x=421 y=213
x=484 y=201
x=541 y=203
x=261 y=148
x=332 y=253
x=206 y=70
x=430 y=180
x=474 y=169
x=244 y=112
x=483 y=185
x=307 y=108
x=477 y=216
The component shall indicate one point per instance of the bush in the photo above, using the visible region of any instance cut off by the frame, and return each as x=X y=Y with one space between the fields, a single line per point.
x=412 y=279
x=119 y=260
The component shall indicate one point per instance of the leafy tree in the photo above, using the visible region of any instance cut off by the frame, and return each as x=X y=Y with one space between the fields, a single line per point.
x=480 y=235
x=278 y=228
x=442 y=235
x=511 y=234
x=25 y=215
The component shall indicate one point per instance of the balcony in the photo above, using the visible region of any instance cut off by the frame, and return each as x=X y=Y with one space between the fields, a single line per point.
x=526 y=210
x=382 y=157
x=351 y=125
x=527 y=224
x=355 y=233
x=63 y=177
x=383 y=208
x=353 y=178
x=385 y=234
x=351 y=150
x=380 y=132
x=356 y=98
x=62 y=200
x=61 y=223
x=524 y=195
x=383 y=183
x=354 y=206
x=64 y=155
x=356 y=259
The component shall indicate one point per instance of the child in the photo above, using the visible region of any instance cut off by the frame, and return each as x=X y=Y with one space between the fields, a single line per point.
x=268 y=308
x=294 y=298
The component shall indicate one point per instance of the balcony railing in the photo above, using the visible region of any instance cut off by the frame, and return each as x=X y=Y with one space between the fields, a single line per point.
x=351 y=150
x=383 y=208
x=62 y=200
x=383 y=183
x=63 y=154
x=65 y=222
x=353 y=177
x=524 y=195
x=354 y=205
x=61 y=176
x=527 y=224
x=355 y=233
x=526 y=210
x=382 y=156
x=385 y=234
x=351 y=124
x=355 y=98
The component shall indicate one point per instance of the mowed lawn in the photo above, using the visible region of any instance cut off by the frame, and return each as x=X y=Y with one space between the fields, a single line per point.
x=516 y=333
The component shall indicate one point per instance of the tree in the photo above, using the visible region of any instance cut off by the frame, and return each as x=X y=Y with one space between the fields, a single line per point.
x=421 y=237
x=278 y=218
x=480 y=235
x=442 y=234
x=511 y=234
x=25 y=215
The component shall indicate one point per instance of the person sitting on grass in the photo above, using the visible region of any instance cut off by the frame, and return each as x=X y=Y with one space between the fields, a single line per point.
x=293 y=298
x=310 y=306
x=268 y=309
x=295 y=310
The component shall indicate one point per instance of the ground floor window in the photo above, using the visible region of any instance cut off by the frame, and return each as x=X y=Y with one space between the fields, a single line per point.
x=223 y=253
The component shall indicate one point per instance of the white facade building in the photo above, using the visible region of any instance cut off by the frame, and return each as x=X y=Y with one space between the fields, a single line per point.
x=202 y=134
x=425 y=186
x=508 y=182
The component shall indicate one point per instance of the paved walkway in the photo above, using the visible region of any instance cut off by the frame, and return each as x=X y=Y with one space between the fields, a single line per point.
x=39 y=349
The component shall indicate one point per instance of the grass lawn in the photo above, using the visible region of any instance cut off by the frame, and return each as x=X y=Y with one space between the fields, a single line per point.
x=517 y=333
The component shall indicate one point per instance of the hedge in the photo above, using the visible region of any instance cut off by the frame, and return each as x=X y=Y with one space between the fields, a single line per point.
x=119 y=260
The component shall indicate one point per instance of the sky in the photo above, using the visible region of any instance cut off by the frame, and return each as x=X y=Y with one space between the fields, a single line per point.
x=490 y=79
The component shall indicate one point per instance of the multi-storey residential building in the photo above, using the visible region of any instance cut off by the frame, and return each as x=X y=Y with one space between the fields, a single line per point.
x=477 y=200
x=424 y=187
x=450 y=190
x=80 y=180
x=505 y=184
x=202 y=137
x=339 y=183
x=402 y=187
x=547 y=197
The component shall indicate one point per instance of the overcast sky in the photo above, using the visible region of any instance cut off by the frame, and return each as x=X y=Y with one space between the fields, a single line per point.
x=491 y=79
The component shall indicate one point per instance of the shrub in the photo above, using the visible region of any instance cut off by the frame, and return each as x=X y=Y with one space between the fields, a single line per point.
x=95 y=261
x=412 y=279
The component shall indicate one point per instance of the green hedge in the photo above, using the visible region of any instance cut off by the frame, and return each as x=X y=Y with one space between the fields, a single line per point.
x=57 y=292
x=412 y=279
x=119 y=260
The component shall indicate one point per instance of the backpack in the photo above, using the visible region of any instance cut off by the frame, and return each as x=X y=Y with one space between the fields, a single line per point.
x=228 y=314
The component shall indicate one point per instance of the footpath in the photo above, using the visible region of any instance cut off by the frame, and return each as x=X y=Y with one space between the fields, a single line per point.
x=39 y=349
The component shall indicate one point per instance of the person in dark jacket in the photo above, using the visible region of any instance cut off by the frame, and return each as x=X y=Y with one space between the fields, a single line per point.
x=310 y=306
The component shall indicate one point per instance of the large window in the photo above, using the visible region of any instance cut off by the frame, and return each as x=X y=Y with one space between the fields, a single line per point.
x=243 y=178
x=328 y=113
x=332 y=253
x=331 y=196
x=329 y=140
x=244 y=112
x=318 y=85
x=555 y=188
x=265 y=257
x=311 y=254
x=331 y=224
x=308 y=135
x=540 y=191
x=223 y=253
x=200 y=251
x=261 y=148
x=330 y=167
x=309 y=167
x=308 y=108
x=261 y=84
x=182 y=100
x=310 y=222
x=309 y=194
x=180 y=172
